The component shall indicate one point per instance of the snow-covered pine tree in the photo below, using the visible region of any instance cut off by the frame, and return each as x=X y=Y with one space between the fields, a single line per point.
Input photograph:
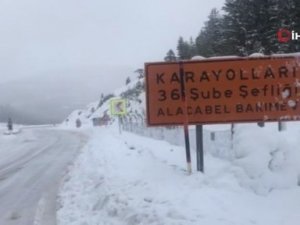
x=193 y=48
x=140 y=73
x=289 y=17
x=246 y=27
x=238 y=24
x=170 y=57
x=251 y=26
x=127 y=80
x=183 y=49
x=210 y=41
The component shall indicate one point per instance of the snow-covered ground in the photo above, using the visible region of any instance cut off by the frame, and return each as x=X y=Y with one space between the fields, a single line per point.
x=129 y=179
x=250 y=179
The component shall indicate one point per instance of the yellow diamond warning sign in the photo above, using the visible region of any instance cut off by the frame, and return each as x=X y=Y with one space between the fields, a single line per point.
x=118 y=107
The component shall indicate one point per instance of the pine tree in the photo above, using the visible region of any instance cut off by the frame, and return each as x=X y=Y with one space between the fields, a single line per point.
x=140 y=73
x=236 y=21
x=210 y=41
x=193 y=48
x=170 y=57
x=247 y=27
x=101 y=100
x=127 y=80
x=289 y=17
x=251 y=26
x=183 y=49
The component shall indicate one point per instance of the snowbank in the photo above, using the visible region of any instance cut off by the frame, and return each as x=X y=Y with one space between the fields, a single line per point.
x=271 y=159
x=128 y=179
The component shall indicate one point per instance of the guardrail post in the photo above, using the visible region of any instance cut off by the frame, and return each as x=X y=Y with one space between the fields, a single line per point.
x=212 y=136
x=281 y=126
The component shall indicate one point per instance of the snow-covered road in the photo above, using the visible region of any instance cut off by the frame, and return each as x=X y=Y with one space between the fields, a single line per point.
x=31 y=167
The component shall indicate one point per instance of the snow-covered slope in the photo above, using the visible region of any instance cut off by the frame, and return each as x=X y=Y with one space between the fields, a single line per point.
x=134 y=94
x=127 y=179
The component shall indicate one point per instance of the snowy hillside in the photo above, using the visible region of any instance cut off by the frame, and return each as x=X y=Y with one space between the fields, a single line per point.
x=134 y=94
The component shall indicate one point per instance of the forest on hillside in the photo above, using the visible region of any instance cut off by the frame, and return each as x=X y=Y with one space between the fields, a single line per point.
x=243 y=27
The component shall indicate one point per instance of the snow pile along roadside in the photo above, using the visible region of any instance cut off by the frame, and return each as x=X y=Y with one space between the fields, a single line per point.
x=128 y=179
x=270 y=159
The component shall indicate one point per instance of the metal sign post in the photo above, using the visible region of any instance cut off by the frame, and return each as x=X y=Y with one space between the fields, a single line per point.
x=199 y=145
x=185 y=124
x=120 y=124
x=118 y=108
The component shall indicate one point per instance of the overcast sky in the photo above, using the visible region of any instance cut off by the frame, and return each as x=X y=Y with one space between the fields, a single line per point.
x=59 y=55
x=41 y=35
